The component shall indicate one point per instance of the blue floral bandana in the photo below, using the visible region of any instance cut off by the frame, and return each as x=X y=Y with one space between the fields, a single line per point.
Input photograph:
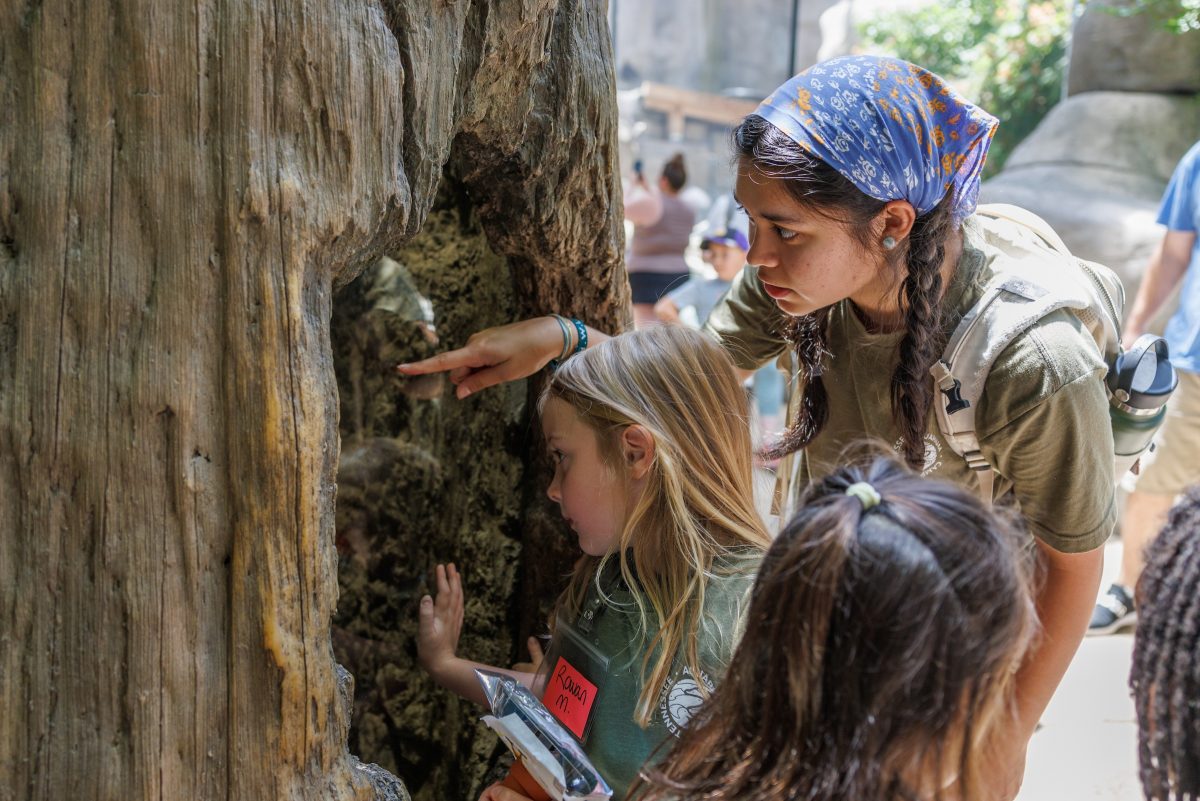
x=895 y=130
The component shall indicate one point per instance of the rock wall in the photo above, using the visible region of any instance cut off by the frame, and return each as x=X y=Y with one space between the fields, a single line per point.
x=1131 y=54
x=1097 y=165
x=1101 y=190
x=710 y=45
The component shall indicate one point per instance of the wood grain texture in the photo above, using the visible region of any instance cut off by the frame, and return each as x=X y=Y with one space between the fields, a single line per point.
x=181 y=188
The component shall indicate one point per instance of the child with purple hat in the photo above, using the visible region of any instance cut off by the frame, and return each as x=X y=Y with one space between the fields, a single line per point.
x=691 y=303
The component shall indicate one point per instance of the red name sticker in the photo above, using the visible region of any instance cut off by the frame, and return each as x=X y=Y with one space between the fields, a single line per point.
x=569 y=696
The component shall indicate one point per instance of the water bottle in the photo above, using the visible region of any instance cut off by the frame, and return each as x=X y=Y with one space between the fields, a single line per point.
x=1139 y=385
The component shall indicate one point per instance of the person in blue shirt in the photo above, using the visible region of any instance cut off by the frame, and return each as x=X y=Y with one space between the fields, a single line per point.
x=1173 y=466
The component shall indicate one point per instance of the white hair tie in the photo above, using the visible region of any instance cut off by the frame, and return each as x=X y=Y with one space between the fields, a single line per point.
x=867 y=495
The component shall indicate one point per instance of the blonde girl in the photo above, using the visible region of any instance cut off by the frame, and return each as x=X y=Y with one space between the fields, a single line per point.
x=653 y=474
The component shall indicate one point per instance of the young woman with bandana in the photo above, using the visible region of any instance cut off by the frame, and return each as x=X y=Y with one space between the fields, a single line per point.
x=860 y=178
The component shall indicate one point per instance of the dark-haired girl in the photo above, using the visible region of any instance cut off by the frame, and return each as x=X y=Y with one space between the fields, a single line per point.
x=884 y=630
x=860 y=179
x=1166 y=658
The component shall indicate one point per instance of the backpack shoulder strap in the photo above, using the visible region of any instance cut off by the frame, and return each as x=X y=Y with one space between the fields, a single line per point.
x=1026 y=218
x=1101 y=284
x=1022 y=293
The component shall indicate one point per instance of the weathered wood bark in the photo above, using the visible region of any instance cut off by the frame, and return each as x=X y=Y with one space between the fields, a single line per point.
x=181 y=187
x=525 y=223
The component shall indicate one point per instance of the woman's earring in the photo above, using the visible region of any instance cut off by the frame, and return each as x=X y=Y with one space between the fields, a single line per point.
x=889 y=242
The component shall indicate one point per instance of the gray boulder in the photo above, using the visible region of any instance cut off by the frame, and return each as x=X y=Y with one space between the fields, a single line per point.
x=1139 y=134
x=1136 y=53
x=1096 y=168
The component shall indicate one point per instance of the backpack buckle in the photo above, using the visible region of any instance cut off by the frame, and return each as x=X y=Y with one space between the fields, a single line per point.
x=949 y=386
x=976 y=462
x=954 y=401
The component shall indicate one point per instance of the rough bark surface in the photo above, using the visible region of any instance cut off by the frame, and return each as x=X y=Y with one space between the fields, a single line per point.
x=181 y=189
x=524 y=223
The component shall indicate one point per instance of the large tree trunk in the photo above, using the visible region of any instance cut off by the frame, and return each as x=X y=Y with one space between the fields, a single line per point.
x=181 y=188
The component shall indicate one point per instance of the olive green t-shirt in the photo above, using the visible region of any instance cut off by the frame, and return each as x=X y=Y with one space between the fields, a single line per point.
x=615 y=743
x=1042 y=419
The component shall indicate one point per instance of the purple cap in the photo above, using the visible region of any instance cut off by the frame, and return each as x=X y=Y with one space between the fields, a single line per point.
x=731 y=237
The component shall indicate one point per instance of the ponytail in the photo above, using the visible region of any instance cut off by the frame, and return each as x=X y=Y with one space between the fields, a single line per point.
x=884 y=638
x=808 y=613
x=675 y=172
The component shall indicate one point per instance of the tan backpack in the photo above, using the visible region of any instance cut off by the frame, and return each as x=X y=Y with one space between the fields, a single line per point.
x=1042 y=277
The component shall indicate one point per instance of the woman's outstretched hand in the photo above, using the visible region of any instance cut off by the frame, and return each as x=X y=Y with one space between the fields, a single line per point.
x=495 y=355
x=441 y=622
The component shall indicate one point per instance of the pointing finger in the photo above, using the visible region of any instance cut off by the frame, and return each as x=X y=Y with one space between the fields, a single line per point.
x=451 y=359
x=481 y=379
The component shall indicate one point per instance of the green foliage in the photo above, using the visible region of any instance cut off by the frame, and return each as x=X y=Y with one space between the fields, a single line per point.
x=1008 y=56
x=1179 y=16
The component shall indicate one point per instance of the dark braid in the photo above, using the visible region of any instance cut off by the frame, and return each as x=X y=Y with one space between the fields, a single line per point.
x=816 y=185
x=1165 y=677
x=806 y=335
x=924 y=339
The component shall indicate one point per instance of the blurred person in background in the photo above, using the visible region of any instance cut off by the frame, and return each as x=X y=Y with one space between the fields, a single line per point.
x=1175 y=463
x=691 y=303
x=662 y=226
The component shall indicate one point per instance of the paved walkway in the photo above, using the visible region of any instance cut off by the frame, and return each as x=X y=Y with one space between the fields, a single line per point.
x=1086 y=749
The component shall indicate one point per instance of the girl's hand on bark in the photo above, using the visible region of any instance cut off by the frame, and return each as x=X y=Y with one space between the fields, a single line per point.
x=441 y=621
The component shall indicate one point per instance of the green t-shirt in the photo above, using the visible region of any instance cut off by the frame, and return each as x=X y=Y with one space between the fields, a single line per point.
x=615 y=743
x=1042 y=419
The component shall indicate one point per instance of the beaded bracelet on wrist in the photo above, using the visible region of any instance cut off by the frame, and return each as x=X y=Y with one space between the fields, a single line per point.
x=581 y=345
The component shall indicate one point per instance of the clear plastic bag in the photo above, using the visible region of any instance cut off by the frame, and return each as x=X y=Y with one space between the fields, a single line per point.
x=544 y=746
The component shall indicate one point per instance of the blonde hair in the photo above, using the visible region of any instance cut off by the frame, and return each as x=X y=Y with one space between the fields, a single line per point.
x=698 y=501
